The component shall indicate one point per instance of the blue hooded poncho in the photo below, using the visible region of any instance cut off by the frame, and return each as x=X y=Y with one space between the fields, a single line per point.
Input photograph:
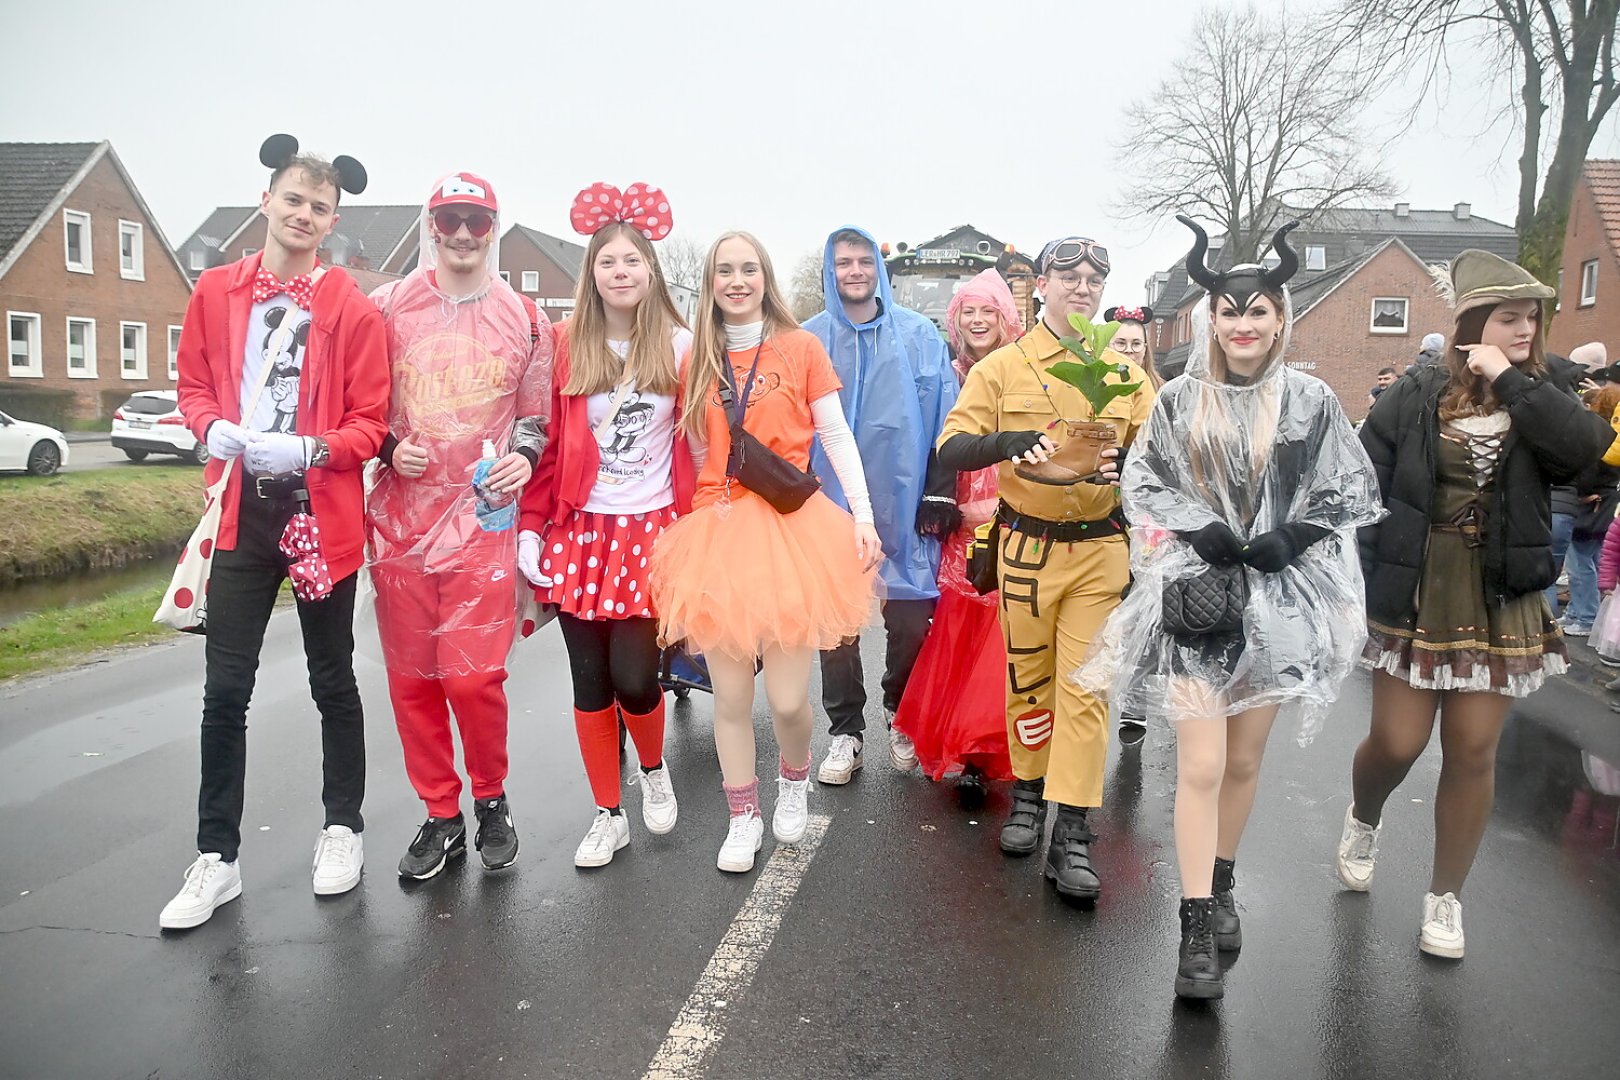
x=898 y=388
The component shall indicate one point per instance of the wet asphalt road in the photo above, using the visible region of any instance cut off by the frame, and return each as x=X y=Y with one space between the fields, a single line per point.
x=912 y=948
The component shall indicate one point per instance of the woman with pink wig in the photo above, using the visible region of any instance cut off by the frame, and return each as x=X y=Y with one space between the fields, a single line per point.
x=955 y=705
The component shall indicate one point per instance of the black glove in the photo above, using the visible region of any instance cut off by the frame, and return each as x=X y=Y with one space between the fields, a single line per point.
x=965 y=453
x=939 y=519
x=1275 y=551
x=1013 y=444
x=1216 y=544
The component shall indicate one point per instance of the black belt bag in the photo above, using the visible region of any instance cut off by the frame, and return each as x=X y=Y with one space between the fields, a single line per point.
x=753 y=464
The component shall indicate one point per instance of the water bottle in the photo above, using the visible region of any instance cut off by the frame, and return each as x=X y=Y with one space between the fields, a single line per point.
x=496 y=510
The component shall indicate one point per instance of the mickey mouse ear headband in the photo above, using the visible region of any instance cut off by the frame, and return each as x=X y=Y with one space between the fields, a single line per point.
x=640 y=206
x=278 y=151
x=1143 y=314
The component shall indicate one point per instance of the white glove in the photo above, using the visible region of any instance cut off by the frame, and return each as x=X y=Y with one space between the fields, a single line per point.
x=226 y=440
x=273 y=453
x=529 y=559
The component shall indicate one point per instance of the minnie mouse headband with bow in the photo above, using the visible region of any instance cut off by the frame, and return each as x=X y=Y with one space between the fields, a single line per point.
x=1143 y=314
x=279 y=151
x=641 y=206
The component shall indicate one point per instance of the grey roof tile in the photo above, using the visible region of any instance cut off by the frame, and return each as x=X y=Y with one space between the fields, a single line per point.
x=31 y=174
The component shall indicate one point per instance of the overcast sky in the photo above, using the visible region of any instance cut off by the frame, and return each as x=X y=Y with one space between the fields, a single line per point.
x=904 y=117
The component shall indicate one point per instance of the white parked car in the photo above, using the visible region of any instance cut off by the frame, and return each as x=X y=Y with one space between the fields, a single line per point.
x=37 y=448
x=150 y=423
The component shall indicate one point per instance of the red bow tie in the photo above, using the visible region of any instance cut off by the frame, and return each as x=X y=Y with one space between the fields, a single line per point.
x=266 y=285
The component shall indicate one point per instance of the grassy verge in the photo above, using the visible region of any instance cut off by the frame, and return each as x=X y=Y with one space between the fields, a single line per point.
x=101 y=518
x=50 y=640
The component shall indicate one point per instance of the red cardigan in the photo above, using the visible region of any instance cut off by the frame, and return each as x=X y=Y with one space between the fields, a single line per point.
x=570 y=462
x=342 y=393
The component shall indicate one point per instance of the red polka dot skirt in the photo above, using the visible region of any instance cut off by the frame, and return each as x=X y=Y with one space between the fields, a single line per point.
x=599 y=564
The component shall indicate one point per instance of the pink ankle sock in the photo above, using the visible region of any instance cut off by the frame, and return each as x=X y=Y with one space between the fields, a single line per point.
x=744 y=799
x=789 y=772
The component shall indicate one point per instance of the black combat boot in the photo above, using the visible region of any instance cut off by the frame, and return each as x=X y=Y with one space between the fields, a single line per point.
x=1228 y=930
x=1199 y=976
x=1068 y=860
x=1021 y=834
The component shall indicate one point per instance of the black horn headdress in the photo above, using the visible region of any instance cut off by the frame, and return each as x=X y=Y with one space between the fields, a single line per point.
x=278 y=152
x=1241 y=283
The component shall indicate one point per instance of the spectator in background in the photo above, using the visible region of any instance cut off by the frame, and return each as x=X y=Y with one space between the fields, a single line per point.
x=1594 y=504
x=1386 y=376
x=1434 y=347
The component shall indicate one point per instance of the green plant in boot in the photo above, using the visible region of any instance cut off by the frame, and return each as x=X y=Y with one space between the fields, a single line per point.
x=1089 y=372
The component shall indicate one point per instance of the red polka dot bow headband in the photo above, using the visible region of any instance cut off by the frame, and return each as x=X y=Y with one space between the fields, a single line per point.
x=640 y=206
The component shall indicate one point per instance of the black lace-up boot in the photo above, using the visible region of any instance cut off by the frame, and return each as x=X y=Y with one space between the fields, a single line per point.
x=1199 y=976
x=1228 y=930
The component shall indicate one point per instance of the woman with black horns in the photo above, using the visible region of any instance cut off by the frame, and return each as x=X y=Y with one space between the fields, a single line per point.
x=1254 y=600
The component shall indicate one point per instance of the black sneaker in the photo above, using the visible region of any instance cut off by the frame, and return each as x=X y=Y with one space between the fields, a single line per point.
x=437 y=842
x=497 y=841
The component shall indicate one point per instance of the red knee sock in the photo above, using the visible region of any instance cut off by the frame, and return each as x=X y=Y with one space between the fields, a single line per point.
x=599 y=746
x=647 y=731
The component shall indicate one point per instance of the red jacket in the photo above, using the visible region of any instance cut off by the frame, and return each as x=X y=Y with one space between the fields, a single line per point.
x=342 y=394
x=571 y=459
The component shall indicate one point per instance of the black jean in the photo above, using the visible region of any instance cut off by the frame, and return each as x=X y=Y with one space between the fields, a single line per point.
x=241 y=595
x=843 y=687
x=613 y=660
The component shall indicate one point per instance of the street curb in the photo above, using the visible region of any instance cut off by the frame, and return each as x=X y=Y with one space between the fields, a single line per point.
x=87 y=436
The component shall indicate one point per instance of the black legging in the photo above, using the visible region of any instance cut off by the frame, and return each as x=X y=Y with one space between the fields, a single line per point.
x=613 y=660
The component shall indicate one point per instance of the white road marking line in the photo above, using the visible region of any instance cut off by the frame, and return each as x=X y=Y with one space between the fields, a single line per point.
x=700 y=1024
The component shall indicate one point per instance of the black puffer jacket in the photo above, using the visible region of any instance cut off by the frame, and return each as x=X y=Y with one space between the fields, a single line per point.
x=1553 y=438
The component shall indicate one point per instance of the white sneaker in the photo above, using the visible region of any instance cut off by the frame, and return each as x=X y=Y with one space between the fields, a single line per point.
x=658 y=806
x=608 y=833
x=902 y=751
x=209 y=883
x=339 y=856
x=792 y=815
x=843 y=760
x=1358 y=847
x=744 y=838
x=1442 y=933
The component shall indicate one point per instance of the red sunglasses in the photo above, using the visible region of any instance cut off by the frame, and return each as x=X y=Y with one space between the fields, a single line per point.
x=449 y=222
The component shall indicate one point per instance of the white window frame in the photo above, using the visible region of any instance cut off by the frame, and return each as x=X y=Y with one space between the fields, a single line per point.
x=1316 y=256
x=198 y=261
x=1406 y=309
x=139 y=374
x=89 y=371
x=506 y=276
x=1558 y=295
x=36 y=349
x=531 y=281
x=137 y=269
x=80 y=218
x=174 y=353
x=1589 y=272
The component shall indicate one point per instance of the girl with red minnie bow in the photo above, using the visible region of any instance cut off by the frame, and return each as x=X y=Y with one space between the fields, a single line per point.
x=614 y=475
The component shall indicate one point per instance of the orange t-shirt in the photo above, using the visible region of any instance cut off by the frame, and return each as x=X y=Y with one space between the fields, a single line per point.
x=794 y=370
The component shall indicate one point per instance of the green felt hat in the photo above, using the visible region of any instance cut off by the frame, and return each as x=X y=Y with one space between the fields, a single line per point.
x=1478 y=279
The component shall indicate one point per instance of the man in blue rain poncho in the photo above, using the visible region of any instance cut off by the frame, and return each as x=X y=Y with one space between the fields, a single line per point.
x=898 y=388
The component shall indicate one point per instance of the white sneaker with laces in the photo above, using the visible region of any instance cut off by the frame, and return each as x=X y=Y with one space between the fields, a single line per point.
x=1442 y=933
x=1358 y=848
x=744 y=837
x=902 y=751
x=209 y=883
x=792 y=815
x=843 y=760
x=658 y=806
x=608 y=833
x=339 y=857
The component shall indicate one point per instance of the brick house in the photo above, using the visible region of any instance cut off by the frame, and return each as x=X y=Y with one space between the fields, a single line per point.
x=92 y=291
x=1589 y=283
x=376 y=238
x=543 y=268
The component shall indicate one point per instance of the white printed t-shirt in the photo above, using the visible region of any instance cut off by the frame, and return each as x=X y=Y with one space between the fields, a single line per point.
x=637 y=451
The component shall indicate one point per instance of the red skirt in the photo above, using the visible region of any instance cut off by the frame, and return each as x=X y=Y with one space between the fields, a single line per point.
x=598 y=564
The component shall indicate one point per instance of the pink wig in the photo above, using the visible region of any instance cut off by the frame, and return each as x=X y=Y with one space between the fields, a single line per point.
x=988 y=288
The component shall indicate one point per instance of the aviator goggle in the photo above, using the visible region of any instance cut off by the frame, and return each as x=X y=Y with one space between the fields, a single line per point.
x=1071 y=252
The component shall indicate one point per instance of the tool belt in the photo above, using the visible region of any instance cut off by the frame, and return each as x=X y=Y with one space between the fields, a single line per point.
x=1061 y=532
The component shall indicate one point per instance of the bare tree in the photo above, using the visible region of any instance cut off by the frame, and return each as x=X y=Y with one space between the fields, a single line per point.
x=804 y=288
x=1561 y=55
x=1256 y=121
x=682 y=261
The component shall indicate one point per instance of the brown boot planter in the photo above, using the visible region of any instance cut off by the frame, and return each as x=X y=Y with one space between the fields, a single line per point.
x=1077 y=460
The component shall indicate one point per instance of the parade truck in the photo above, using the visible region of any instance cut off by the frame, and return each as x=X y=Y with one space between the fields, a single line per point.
x=924 y=278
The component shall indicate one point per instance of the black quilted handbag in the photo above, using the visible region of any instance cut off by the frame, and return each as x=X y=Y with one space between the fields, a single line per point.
x=1210 y=602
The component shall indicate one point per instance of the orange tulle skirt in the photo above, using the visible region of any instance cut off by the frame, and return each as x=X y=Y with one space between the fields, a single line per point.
x=738 y=578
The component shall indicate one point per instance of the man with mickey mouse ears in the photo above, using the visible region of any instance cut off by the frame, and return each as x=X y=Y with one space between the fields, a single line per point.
x=334 y=363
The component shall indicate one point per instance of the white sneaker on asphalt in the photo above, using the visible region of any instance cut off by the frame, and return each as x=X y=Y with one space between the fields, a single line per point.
x=1358 y=847
x=608 y=833
x=1442 y=933
x=209 y=883
x=902 y=751
x=744 y=837
x=658 y=806
x=339 y=857
x=792 y=814
x=843 y=760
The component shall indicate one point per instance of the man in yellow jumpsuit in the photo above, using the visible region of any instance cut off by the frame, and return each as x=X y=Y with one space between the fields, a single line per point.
x=1063 y=558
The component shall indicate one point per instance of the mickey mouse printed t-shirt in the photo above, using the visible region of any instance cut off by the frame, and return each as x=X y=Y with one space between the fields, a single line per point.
x=637 y=450
x=277 y=409
x=794 y=371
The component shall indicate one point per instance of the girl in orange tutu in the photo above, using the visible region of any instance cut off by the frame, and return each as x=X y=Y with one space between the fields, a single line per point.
x=739 y=580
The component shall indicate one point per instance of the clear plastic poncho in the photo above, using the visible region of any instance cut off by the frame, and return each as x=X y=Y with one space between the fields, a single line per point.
x=465 y=370
x=1255 y=456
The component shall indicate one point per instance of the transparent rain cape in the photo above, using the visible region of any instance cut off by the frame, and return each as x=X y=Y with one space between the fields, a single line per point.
x=1255 y=456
